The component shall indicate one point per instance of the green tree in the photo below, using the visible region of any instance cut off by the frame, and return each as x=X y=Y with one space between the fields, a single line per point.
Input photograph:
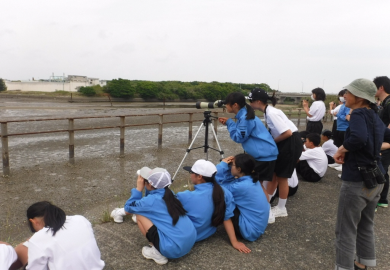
x=120 y=88
x=3 y=87
x=88 y=91
x=148 y=90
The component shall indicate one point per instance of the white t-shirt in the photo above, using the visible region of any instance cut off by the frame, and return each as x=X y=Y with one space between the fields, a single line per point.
x=278 y=122
x=317 y=111
x=335 y=110
x=317 y=160
x=7 y=256
x=329 y=148
x=73 y=247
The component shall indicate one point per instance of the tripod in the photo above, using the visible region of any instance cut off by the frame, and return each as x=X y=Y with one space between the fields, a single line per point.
x=206 y=122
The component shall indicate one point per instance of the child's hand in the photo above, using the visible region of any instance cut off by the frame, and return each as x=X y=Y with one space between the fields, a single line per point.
x=223 y=120
x=140 y=183
x=228 y=159
x=241 y=247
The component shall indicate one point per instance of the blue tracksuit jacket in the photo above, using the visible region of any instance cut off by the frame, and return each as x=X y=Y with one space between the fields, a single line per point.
x=254 y=137
x=200 y=207
x=175 y=241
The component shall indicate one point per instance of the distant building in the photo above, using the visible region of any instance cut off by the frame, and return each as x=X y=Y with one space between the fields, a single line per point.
x=56 y=83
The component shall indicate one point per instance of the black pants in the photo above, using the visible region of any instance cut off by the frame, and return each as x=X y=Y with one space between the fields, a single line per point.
x=307 y=173
x=338 y=138
x=385 y=163
x=314 y=127
x=291 y=192
x=330 y=159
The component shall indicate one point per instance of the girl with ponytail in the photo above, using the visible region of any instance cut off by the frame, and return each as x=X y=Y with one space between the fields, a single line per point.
x=286 y=136
x=59 y=241
x=250 y=219
x=160 y=216
x=252 y=134
x=209 y=205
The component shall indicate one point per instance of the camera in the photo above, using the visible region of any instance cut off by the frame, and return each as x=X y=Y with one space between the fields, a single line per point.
x=210 y=105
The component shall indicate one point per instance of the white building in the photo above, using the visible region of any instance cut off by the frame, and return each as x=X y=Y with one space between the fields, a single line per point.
x=72 y=83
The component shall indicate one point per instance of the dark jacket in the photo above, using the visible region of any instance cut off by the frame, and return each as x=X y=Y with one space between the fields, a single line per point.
x=359 y=141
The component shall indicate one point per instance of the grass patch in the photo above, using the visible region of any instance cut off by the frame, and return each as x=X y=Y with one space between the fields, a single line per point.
x=105 y=216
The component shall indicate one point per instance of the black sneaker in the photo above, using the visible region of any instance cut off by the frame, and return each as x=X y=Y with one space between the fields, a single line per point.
x=383 y=203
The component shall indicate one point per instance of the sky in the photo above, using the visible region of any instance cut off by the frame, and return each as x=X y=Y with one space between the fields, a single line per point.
x=293 y=46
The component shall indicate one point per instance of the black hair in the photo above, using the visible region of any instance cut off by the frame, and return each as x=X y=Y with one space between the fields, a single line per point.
x=239 y=98
x=303 y=134
x=219 y=201
x=175 y=208
x=327 y=133
x=53 y=216
x=373 y=107
x=247 y=164
x=342 y=93
x=314 y=138
x=383 y=81
x=320 y=93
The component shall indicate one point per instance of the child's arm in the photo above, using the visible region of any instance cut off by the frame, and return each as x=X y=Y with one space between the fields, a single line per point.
x=239 y=132
x=223 y=172
x=233 y=239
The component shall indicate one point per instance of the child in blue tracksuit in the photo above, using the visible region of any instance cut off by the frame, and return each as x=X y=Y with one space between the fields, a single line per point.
x=160 y=217
x=208 y=205
x=252 y=134
x=252 y=207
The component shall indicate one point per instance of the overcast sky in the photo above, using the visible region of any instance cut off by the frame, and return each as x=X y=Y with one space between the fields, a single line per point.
x=287 y=44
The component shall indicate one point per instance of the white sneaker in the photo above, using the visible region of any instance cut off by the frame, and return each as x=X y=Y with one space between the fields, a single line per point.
x=278 y=212
x=334 y=165
x=117 y=214
x=339 y=168
x=134 y=218
x=271 y=217
x=339 y=176
x=151 y=253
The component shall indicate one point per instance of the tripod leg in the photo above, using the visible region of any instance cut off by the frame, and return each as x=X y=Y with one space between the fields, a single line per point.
x=216 y=139
x=188 y=150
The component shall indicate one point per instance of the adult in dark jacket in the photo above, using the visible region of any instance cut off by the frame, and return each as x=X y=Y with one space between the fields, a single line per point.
x=356 y=209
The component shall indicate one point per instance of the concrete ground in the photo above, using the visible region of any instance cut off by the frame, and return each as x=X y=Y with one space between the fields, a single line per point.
x=101 y=181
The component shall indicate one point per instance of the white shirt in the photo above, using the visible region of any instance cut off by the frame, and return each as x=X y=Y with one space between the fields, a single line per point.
x=317 y=160
x=335 y=110
x=329 y=148
x=73 y=247
x=317 y=111
x=7 y=256
x=278 y=122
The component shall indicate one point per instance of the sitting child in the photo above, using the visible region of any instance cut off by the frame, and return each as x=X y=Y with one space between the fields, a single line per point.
x=59 y=241
x=7 y=255
x=252 y=207
x=328 y=145
x=209 y=205
x=313 y=162
x=292 y=186
x=161 y=217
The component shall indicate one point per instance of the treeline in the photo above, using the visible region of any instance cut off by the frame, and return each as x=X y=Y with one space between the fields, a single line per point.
x=170 y=90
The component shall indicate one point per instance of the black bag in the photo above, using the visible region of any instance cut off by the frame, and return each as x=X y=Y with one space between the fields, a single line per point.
x=372 y=175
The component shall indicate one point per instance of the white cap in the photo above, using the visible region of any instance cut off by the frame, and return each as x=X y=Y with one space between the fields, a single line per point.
x=158 y=177
x=202 y=167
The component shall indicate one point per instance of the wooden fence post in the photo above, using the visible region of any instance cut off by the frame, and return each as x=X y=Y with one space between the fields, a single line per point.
x=71 y=141
x=215 y=122
x=299 y=118
x=190 y=128
x=4 y=145
x=122 y=137
x=160 y=130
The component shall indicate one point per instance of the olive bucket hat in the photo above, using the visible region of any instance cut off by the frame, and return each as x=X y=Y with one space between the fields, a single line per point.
x=362 y=88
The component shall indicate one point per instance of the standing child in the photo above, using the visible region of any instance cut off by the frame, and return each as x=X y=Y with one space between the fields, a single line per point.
x=286 y=136
x=328 y=146
x=316 y=111
x=161 y=217
x=252 y=207
x=209 y=205
x=313 y=162
x=7 y=256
